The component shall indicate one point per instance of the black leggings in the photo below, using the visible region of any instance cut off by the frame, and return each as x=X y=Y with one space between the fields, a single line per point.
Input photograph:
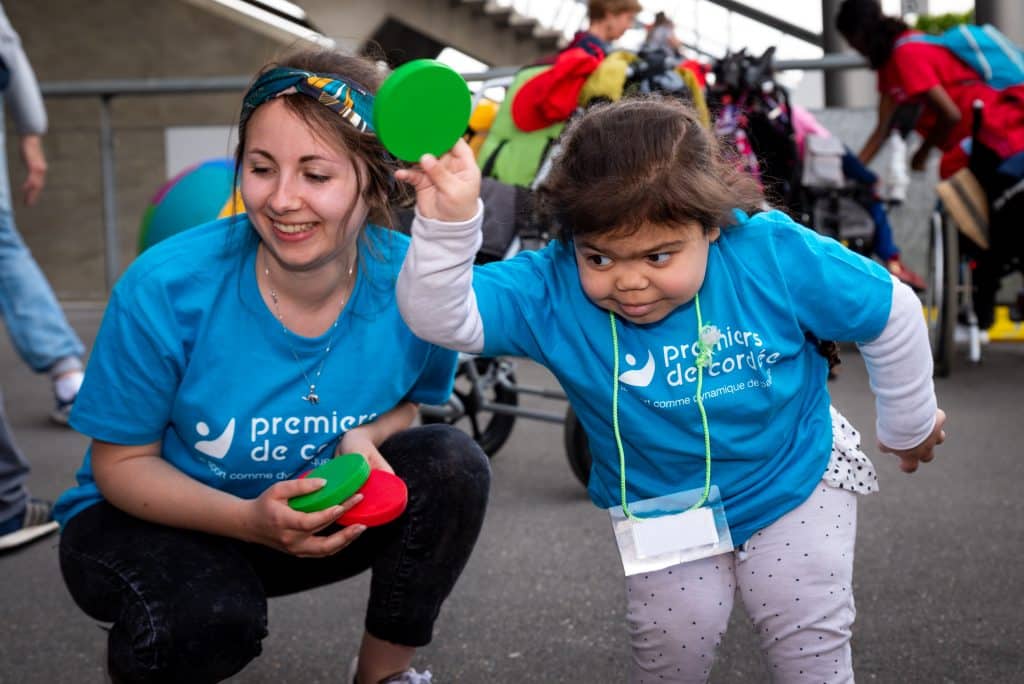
x=189 y=606
x=1006 y=239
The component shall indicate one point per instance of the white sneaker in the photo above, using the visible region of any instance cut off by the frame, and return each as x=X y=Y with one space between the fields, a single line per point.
x=65 y=391
x=410 y=676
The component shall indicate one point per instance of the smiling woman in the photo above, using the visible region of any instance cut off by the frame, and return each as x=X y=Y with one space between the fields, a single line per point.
x=281 y=321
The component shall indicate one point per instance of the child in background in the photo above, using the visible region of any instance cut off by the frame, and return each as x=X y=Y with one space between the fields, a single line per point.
x=607 y=21
x=661 y=35
x=805 y=124
x=665 y=278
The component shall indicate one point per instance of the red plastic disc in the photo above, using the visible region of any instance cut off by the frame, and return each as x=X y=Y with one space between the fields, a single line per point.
x=384 y=499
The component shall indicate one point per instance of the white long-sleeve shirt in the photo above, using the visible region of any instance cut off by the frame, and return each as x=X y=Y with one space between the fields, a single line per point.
x=436 y=298
x=22 y=95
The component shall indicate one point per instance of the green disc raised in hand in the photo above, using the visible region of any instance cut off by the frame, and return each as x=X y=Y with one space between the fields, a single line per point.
x=422 y=107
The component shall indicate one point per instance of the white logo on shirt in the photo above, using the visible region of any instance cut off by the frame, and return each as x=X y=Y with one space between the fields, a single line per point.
x=217 y=448
x=638 y=377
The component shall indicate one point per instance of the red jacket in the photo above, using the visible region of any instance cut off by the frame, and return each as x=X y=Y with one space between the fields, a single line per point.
x=551 y=96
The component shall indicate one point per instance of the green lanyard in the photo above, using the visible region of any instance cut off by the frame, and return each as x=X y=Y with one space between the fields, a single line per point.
x=703 y=359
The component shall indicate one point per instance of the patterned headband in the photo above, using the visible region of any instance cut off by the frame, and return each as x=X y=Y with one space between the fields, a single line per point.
x=350 y=100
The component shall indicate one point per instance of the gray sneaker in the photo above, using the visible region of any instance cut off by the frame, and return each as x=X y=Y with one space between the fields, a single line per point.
x=34 y=523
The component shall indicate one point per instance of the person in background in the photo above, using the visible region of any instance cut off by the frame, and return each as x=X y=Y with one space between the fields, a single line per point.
x=918 y=72
x=23 y=519
x=234 y=357
x=661 y=35
x=608 y=20
x=35 y=321
x=931 y=75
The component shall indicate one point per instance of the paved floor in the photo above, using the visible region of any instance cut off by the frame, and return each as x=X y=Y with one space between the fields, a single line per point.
x=938 y=574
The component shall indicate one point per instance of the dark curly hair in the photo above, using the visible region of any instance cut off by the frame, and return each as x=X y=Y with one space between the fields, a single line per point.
x=870 y=32
x=642 y=160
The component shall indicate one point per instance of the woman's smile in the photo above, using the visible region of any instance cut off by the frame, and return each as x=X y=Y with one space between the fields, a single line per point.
x=293 y=230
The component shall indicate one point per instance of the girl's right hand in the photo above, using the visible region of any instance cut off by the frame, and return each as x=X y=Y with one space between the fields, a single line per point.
x=272 y=522
x=447 y=188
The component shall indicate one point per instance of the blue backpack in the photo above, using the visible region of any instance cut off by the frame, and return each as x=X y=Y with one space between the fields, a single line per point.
x=983 y=48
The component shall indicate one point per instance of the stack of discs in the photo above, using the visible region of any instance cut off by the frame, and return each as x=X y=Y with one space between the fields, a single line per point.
x=384 y=494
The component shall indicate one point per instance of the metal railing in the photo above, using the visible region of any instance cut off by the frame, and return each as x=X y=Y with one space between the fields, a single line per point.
x=107 y=90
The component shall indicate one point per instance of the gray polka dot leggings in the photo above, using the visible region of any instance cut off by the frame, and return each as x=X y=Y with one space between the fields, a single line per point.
x=795 y=580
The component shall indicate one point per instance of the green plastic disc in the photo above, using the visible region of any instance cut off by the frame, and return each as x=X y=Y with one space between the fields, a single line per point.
x=422 y=107
x=345 y=474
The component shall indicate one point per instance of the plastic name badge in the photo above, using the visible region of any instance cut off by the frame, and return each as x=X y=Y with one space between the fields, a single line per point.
x=657 y=536
x=668 y=530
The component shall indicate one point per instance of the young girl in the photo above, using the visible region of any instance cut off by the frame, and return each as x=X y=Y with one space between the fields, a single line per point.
x=669 y=301
x=234 y=357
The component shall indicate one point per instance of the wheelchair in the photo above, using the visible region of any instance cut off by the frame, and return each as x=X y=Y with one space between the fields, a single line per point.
x=968 y=259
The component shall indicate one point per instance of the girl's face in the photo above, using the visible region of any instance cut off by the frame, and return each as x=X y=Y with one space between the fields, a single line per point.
x=299 y=191
x=645 y=275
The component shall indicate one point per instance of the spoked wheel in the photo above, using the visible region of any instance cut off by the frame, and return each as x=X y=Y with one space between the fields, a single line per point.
x=490 y=379
x=577 y=449
x=942 y=296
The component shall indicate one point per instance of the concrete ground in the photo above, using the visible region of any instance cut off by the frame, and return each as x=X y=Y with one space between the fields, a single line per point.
x=938 y=576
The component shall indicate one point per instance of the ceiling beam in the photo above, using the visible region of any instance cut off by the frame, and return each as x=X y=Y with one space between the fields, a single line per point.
x=770 y=20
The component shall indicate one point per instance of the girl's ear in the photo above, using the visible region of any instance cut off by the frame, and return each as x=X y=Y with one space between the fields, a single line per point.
x=714 y=233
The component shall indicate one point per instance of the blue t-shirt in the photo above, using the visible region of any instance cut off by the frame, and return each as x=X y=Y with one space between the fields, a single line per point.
x=769 y=283
x=188 y=354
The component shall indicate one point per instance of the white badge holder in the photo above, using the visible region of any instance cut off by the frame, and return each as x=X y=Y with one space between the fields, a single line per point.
x=668 y=531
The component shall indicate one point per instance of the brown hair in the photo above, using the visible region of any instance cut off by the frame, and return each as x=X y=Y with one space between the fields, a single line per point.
x=599 y=9
x=642 y=160
x=375 y=180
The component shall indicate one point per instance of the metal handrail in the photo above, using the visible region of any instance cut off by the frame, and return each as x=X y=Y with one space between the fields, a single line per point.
x=107 y=90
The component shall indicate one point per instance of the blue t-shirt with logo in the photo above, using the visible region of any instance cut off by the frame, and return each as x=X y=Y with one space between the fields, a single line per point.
x=189 y=355
x=770 y=282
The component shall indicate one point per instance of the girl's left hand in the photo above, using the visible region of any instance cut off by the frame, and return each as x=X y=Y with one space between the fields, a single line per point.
x=447 y=188
x=357 y=441
x=923 y=452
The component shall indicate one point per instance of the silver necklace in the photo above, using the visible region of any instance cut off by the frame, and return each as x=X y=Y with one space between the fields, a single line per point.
x=311 y=396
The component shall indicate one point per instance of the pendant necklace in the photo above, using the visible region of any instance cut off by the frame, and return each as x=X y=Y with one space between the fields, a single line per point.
x=311 y=396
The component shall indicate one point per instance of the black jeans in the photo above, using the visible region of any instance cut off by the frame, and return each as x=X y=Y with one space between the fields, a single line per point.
x=189 y=606
x=1006 y=239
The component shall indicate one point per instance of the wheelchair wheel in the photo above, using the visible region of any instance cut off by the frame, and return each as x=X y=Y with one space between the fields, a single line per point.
x=492 y=377
x=577 y=450
x=942 y=296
